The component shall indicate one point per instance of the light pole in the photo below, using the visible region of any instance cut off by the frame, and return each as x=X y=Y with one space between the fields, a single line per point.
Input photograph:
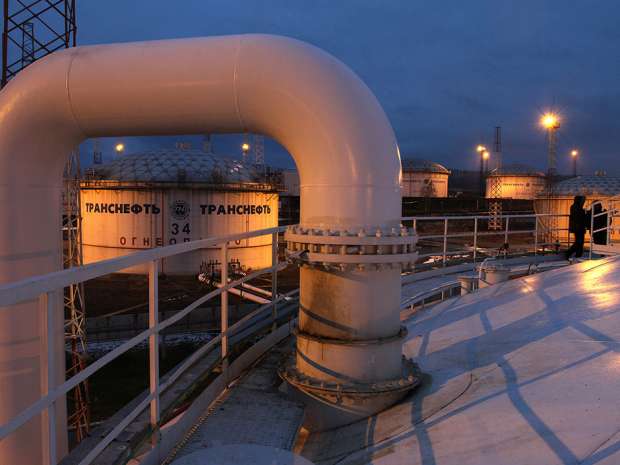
x=484 y=155
x=119 y=148
x=574 y=153
x=245 y=148
x=551 y=122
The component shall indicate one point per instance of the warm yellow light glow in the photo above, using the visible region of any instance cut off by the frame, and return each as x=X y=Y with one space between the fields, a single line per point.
x=574 y=153
x=550 y=121
x=119 y=147
x=485 y=155
x=245 y=146
x=480 y=148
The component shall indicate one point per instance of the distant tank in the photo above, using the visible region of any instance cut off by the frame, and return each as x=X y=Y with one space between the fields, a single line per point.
x=517 y=182
x=423 y=178
x=158 y=198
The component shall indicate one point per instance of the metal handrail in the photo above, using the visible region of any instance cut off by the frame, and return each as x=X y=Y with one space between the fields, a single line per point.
x=45 y=286
x=422 y=296
x=610 y=213
x=476 y=233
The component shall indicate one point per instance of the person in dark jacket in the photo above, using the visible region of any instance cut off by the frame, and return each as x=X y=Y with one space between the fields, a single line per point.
x=599 y=223
x=577 y=223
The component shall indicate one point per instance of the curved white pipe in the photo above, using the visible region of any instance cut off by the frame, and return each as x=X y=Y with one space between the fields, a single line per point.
x=311 y=103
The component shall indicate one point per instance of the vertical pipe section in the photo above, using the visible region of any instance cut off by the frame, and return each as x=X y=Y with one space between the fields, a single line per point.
x=154 y=342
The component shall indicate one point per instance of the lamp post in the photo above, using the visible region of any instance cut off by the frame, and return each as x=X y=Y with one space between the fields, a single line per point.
x=484 y=155
x=551 y=122
x=574 y=153
x=245 y=148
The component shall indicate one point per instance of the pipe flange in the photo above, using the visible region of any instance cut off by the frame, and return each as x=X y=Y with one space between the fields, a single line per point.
x=345 y=250
x=411 y=377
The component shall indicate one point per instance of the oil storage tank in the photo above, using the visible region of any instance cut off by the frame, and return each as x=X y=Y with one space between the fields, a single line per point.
x=517 y=181
x=424 y=178
x=157 y=198
x=557 y=200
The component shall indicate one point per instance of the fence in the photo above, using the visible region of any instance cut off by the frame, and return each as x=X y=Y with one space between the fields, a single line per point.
x=540 y=227
x=44 y=288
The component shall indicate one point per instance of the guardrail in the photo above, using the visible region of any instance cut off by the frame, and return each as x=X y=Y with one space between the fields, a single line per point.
x=44 y=288
x=541 y=230
x=421 y=297
x=607 y=216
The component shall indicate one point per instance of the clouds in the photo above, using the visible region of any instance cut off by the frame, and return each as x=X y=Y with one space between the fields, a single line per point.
x=446 y=72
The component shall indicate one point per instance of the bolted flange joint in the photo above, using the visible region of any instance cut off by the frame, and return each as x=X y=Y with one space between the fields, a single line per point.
x=344 y=250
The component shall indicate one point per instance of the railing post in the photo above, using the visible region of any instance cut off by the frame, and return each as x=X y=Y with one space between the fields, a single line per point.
x=445 y=240
x=506 y=231
x=591 y=229
x=46 y=304
x=535 y=234
x=274 y=280
x=224 y=310
x=475 y=239
x=154 y=343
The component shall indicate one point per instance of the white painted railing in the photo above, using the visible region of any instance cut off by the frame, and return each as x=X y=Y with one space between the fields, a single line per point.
x=45 y=286
x=608 y=212
x=538 y=233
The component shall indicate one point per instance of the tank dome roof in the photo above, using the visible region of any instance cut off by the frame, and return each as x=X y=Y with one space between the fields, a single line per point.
x=607 y=186
x=176 y=166
x=423 y=166
x=516 y=169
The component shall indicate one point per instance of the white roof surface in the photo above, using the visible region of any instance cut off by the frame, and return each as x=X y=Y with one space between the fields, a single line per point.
x=522 y=373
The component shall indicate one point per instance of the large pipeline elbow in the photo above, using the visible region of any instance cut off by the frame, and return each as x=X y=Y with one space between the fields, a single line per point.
x=317 y=108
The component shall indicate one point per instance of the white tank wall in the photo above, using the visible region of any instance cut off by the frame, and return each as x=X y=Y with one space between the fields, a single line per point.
x=141 y=219
x=518 y=187
x=419 y=184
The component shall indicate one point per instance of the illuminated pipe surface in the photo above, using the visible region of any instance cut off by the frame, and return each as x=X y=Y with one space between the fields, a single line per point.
x=317 y=108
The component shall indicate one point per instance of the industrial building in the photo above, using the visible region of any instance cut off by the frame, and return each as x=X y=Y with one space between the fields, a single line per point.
x=558 y=199
x=516 y=181
x=165 y=197
x=423 y=178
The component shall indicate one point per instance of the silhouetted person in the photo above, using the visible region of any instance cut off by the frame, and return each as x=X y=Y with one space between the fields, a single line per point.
x=577 y=223
x=599 y=222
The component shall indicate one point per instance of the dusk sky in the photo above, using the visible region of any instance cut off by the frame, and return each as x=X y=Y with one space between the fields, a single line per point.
x=445 y=72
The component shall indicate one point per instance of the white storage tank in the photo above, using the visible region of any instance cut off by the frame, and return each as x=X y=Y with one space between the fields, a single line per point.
x=558 y=200
x=158 y=198
x=517 y=182
x=423 y=178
